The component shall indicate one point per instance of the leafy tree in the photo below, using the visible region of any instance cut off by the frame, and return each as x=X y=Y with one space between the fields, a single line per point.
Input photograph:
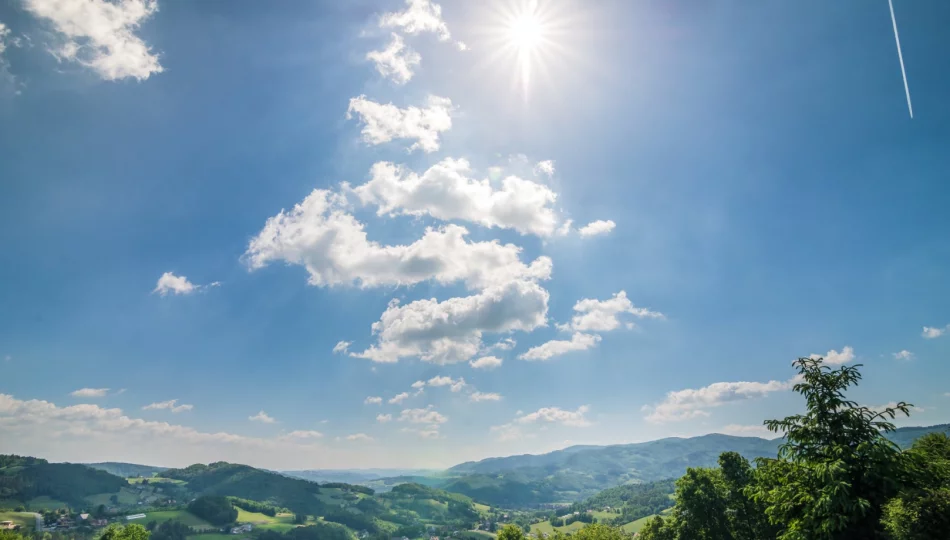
x=511 y=532
x=747 y=520
x=658 y=529
x=10 y=535
x=701 y=505
x=213 y=509
x=171 y=530
x=836 y=469
x=599 y=531
x=922 y=511
x=128 y=532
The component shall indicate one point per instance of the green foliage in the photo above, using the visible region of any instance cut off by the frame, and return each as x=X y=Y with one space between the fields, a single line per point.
x=353 y=520
x=317 y=531
x=658 y=529
x=599 y=532
x=213 y=509
x=511 y=532
x=701 y=505
x=128 y=532
x=922 y=510
x=836 y=470
x=126 y=470
x=747 y=519
x=10 y=535
x=23 y=478
x=169 y=530
x=255 y=506
x=349 y=487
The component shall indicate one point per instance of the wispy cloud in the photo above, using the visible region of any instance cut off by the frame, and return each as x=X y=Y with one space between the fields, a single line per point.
x=691 y=403
x=373 y=400
x=931 y=332
x=486 y=362
x=262 y=417
x=903 y=355
x=90 y=392
x=170 y=405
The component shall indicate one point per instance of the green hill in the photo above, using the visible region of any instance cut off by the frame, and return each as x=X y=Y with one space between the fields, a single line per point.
x=126 y=470
x=23 y=479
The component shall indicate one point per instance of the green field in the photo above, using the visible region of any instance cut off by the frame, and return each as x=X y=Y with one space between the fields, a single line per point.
x=477 y=535
x=546 y=528
x=635 y=526
x=183 y=516
x=155 y=480
x=44 y=503
x=482 y=508
x=24 y=519
x=126 y=496
x=279 y=523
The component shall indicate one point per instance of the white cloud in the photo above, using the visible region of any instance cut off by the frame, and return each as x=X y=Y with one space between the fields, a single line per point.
x=891 y=405
x=755 y=430
x=545 y=167
x=170 y=283
x=505 y=344
x=301 y=435
x=565 y=228
x=396 y=61
x=422 y=416
x=595 y=228
x=89 y=392
x=418 y=385
x=932 y=332
x=262 y=417
x=451 y=331
x=508 y=432
x=383 y=122
x=430 y=432
x=359 y=437
x=383 y=418
x=101 y=35
x=903 y=355
x=399 y=398
x=171 y=405
x=418 y=17
x=601 y=315
x=484 y=396
x=446 y=191
x=691 y=403
x=486 y=362
x=342 y=347
x=373 y=400
x=834 y=357
x=579 y=342
x=453 y=384
x=321 y=236
x=556 y=415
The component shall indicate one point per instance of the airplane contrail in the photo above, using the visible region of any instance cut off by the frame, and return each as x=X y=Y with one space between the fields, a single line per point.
x=900 y=57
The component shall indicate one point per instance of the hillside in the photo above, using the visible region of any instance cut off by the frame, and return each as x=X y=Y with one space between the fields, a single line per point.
x=24 y=479
x=126 y=470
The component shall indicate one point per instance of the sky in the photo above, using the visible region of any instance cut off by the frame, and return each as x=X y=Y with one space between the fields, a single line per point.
x=410 y=234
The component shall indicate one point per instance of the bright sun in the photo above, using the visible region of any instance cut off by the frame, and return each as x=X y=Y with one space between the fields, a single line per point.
x=525 y=32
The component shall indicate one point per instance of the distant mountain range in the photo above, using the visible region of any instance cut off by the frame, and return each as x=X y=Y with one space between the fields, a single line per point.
x=570 y=474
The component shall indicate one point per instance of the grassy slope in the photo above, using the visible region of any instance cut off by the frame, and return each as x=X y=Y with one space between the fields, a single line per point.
x=183 y=516
x=635 y=526
x=279 y=523
x=44 y=503
x=23 y=519
x=546 y=528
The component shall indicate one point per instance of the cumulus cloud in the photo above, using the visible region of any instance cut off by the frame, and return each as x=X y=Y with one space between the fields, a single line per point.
x=332 y=245
x=170 y=283
x=556 y=415
x=691 y=403
x=101 y=35
x=579 y=342
x=383 y=418
x=903 y=355
x=359 y=437
x=342 y=347
x=383 y=122
x=486 y=362
x=451 y=331
x=484 y=396
x=373 y=400
x=262 y=417
x=545 y=167
x=505 y=344
x=594 y=315
x=418 y=17
x=422 y=416
x=301 y=435
x=447 y=191
x=89 y=392
x=399 y=398
x=396 y=61
x=931 y=332
x=455 y=385
x=834 y=357
x=595 y=228
x=171 y=405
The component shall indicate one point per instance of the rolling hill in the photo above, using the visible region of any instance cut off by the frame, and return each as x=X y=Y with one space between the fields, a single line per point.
x=26 y=478
x=126 y=470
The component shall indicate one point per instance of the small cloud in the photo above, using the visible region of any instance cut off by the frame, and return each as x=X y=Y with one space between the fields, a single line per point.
x=178 y=285
x=484 y=396
x=748 y=430
x=373 y=400
x=431 y=432
x=932 y=332
x=422 y=416
x=399 y=398
x=341 y=347
x=418 y=384
x=90 y=392
x=360 y=437
x=486 y=362
x=596 y=228
x=545 y=167
x=460 y=45
x=834 y=357
x=262 y=417
x=503 y=345
x=903 y=355
x=301 y=435
x=383 y=418
x=170 y=405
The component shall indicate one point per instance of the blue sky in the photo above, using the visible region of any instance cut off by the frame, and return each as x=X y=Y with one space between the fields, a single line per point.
x=757 y=190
